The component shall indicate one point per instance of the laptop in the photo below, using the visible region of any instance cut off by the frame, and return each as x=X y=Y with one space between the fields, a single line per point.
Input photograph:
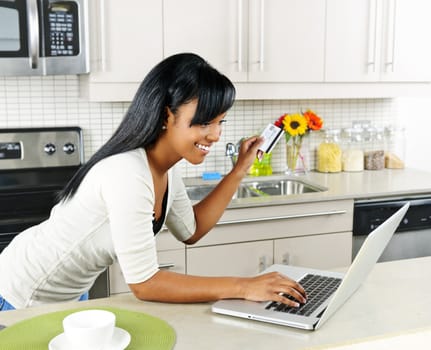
x=332 y=289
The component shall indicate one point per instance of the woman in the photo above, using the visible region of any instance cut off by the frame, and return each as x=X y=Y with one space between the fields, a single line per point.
x=117 y=202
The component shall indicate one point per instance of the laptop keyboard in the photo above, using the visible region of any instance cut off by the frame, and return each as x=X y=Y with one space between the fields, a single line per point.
x=318 y=289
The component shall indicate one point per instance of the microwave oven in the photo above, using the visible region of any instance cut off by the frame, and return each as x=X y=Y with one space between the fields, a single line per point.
x=43 y=37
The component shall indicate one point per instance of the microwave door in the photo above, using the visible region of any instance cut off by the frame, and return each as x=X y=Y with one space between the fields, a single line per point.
x=20 y=39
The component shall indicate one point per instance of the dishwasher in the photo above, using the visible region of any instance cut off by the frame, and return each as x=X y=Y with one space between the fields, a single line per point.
x=412 y=239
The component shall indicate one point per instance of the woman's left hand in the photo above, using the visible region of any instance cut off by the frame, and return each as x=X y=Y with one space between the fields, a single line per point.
x=248 y=153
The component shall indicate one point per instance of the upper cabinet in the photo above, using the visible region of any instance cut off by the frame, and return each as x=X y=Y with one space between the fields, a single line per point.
x=126 y=42
x=270 y=49
x=378 y=40
x=251 y=40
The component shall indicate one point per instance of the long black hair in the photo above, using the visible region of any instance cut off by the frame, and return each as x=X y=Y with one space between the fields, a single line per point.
x=175 y=81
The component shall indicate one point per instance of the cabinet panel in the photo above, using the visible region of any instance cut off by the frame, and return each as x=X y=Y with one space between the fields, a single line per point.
x=167 y=241
x=408 y=47
x=281 y=221
x=242 y=259
x=126 y=42
x=318 y=251
x=287 y=39
x=378 y=41
x=217 y=32
x=254 y=41
x=353 y=36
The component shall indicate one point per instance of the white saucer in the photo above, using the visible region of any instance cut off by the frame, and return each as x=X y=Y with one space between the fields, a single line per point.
x=120 y=339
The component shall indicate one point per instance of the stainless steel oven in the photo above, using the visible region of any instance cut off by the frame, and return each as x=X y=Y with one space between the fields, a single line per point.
x=412 y=239
x=35 y=163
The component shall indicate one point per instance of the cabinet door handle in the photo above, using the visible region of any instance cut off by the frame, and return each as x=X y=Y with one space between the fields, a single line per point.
x=166 y=265
x=390 y=45
x=262 y=263
x=102 y=29
x=372 y=35
x=262 y=35
x=239 y=39
x=285 y=259
x=283 y=217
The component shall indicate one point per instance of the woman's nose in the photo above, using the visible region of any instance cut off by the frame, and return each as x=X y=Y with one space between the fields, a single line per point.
x=214 y=133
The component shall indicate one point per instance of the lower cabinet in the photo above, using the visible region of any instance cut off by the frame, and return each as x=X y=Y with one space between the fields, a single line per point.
x=317 y=251
x=247 y=240
x=238 y=259
x=323 y=251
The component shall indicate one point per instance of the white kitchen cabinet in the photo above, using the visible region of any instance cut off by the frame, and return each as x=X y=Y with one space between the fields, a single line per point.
x=126 y=42
x=247 y=240
x=248 y=259
x=316 y=251
x=238 y=259
x=378 y=41
x=250 y=40
x=270 y=49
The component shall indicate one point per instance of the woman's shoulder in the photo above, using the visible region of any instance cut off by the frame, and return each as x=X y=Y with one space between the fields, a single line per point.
x=124 y=164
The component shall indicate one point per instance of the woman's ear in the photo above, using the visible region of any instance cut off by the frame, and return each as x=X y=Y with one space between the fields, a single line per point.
x=169 y=118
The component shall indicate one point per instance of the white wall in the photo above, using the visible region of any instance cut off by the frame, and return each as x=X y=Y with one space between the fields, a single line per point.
x=415 y=115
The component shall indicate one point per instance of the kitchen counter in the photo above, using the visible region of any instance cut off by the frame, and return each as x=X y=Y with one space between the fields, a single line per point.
x=358 y=186
x=394 y=300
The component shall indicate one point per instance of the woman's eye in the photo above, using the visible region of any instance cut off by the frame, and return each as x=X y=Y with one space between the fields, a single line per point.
x=208 y=124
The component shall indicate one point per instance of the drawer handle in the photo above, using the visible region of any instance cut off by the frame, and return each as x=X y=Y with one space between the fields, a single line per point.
x=166 y=265
x=283 y=217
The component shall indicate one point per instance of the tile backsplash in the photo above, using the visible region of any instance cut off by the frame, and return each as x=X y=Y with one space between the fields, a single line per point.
x=55 y=101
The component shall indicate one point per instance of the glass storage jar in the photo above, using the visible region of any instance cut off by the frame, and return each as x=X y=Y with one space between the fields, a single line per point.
x=374 y=152
x=329 y=151
x=353 y=153
x=395 y=149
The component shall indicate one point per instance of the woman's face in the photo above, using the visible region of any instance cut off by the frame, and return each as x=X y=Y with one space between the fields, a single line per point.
x=192 y=143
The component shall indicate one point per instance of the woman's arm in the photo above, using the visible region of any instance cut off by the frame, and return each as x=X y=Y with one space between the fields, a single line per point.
x=167 y=286
x=209 y=210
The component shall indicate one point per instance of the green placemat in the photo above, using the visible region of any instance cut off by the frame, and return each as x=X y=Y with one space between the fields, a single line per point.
x=147 y=332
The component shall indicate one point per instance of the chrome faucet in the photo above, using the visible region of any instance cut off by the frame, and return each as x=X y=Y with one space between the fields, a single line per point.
x=232 y=151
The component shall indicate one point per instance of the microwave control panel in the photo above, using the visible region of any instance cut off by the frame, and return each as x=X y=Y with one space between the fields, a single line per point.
x=61 y=29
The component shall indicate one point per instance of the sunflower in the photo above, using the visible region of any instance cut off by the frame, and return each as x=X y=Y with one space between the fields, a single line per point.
x=295 y=124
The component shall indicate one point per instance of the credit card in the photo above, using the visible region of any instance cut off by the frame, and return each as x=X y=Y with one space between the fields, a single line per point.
x=271 y=134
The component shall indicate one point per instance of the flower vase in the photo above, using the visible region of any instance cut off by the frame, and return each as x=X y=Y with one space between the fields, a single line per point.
x=295 y=157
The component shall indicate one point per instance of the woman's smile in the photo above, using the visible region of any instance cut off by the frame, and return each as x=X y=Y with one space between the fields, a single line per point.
x=203 y=148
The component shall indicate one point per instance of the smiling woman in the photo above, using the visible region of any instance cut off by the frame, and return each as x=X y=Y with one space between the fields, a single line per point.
x=120 y=199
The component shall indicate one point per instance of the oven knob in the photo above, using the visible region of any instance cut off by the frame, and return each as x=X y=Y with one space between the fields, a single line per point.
x=49 y=148
x=69 y=148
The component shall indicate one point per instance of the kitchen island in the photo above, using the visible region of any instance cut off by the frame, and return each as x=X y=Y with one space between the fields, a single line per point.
x=393 y=301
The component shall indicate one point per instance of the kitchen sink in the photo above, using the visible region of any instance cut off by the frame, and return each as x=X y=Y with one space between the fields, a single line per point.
x=283 y=187
x=259 y=188
x=197 y=193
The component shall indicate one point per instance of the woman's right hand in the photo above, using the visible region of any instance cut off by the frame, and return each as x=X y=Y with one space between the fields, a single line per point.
x=271 y=287
x=248 y=153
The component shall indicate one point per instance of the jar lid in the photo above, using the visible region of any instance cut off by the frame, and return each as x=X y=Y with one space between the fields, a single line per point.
x=331 y=131
x=353 y=134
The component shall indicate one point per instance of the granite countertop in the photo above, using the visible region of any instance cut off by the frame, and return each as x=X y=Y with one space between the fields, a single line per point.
x=369 y=184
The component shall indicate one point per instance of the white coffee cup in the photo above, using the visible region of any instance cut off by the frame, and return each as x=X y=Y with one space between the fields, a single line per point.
x=89 y=329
